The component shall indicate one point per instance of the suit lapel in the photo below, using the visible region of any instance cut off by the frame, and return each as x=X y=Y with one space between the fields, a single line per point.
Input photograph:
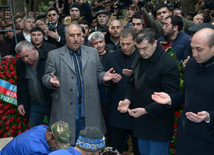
x=67 y=58
x=85 y=55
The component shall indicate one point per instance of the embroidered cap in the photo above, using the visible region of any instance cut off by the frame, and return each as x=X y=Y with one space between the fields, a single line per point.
x=62 y=133
x=91 y=139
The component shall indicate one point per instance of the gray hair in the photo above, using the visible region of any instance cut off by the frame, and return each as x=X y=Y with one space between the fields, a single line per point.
x=66 y=28
x=27 y=17
x=40 y=21
x=23 y=44
x=95 y=35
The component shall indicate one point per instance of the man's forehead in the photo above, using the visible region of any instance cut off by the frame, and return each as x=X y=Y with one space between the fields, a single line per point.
x=36 y=32
x=51 y=12
x=115 y=23
x=102 y=14
x=162 y=9
x=75 y=9
x=99 y=39
x=18 y=19
x=135 y=20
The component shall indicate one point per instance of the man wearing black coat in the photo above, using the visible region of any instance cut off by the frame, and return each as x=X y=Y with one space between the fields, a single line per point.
x=37 y=39
x=54 y=33
x=34 y=99
x=153 y=70
x=121 y=60
x=29 y=23
x=195 y=133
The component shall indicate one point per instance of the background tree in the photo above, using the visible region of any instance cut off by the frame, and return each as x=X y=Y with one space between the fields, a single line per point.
x=187 y=6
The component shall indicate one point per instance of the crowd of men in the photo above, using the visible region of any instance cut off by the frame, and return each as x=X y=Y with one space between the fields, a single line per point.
x=89 y=63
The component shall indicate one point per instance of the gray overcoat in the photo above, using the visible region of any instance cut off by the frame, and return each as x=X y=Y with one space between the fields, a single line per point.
x=61 y=64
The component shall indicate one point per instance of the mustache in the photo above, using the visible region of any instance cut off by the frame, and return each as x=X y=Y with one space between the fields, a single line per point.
x=76 y=42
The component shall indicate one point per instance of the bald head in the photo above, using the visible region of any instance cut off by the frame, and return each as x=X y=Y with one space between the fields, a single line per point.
x=202 y=45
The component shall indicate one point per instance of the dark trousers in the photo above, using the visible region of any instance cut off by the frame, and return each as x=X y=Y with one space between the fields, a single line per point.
x=105 y=110
x=117 y=136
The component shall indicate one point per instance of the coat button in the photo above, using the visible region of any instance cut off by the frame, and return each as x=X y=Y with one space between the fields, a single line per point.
x=71 y=103
x=72 y=77
x=124 y=85
x=71 y=89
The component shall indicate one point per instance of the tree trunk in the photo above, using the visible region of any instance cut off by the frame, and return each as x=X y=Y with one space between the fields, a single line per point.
x=18 y=6
x=172 y=2
x=187 y=6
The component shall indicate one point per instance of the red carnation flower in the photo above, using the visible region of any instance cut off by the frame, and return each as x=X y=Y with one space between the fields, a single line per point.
x=12 y=111
x=177 y=114
x=7 y=123
x=13 y=74
x=1 y=76
x=5 y=67
x=19 y=126
x=16 y=56
x=14 y=127
x=28 y=126
x=26 y=129
x=11 y=119
x=5 y=72
x=10 y=65
x=1 y=131
x=8 y=75
x=7 y=59
x=3 y=62
x=18 y=114
x=1 y=123
x=19 y=132
x=13 y=61
x=3 y=118
x=175 y=125
x=1 y=112
x=18 y=120
x=11 y=135
x=7 y=113
x=4 y=136
x=5 y=107
x=12 y=69
x=12 y=131
x=7 y=128
x=25 y=120
x=11 y=81
x=0 y=67
x=9 y=104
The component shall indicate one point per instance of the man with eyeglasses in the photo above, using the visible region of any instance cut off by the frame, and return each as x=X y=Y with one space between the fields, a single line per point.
x=54 y=31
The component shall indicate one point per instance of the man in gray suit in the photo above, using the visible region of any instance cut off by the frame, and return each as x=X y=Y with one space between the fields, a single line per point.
x=74 y=72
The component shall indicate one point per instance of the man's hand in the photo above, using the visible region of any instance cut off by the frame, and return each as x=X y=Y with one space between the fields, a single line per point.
x=137 y=112
x=53 y=34
x=123 y=106
x=162 y=98
x=21 y=109
x=54 y=81
x=127 y=72
x=199 y=117
x=109 y=76
x=185 y=62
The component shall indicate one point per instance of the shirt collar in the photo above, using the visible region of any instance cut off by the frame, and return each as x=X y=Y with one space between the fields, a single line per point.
x=72 y=51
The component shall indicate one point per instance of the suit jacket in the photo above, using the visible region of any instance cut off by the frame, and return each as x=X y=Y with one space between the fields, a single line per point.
x=20 y=37
x=22 y=88
x=60 y=30
x=61 y=64
x=47 y=47
x=159 y=73
x=116 y=61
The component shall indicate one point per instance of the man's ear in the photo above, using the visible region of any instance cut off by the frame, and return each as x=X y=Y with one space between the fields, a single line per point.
x=48 y=135
x=175 y=27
